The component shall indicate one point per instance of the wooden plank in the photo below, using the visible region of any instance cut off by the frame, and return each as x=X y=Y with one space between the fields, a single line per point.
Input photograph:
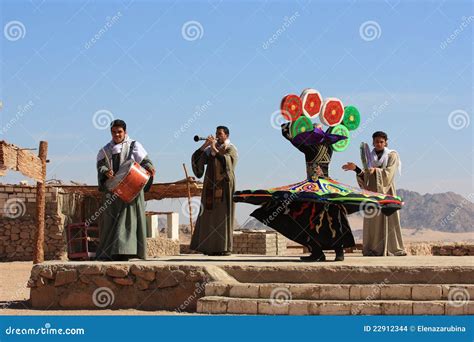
x=157 y=191
x=38 y=256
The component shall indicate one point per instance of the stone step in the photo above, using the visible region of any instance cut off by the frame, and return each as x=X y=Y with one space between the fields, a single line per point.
x=256 y=306
x=356 y=273
x=383 y=291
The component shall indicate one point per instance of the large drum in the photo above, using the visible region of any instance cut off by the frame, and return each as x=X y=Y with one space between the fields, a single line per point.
x=130 y=179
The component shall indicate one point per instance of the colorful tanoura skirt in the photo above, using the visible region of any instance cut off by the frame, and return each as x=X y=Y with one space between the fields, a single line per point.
x=314 y=212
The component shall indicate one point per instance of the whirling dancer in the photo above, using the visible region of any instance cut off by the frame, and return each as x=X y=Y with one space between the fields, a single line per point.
x=314 y=212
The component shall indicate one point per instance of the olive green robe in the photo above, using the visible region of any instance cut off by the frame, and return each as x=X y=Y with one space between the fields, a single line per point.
x=213 y=232
x=382 y=235
x=122 y=225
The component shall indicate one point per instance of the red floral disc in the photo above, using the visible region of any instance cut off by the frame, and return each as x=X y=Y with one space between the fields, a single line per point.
x=332 y=112
x=291 y=107
x=312 y=102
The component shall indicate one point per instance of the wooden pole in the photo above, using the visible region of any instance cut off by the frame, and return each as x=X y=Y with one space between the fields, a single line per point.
x=40 y=206
x=189 y=199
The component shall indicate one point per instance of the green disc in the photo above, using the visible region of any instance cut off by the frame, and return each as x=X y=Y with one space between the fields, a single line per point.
x=341 y=145
x=301 y=125
x=351 y=118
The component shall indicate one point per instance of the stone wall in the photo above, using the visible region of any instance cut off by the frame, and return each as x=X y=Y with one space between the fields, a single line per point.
x=161 y=246
x=18 y=224
x=259 y=242
x=114 y=286
x=440 y=249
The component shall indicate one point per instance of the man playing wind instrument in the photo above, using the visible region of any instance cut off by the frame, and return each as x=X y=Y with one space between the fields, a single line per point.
x=214 y=227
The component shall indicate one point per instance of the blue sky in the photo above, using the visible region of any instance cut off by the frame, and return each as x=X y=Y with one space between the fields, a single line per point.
x=409 y=73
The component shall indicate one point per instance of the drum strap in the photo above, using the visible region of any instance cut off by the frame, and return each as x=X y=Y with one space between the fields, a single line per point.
x=130 y=151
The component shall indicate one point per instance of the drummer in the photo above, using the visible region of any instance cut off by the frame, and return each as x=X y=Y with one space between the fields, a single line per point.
x=123 y=225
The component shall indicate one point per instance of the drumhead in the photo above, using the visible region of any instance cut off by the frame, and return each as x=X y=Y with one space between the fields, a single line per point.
x=123 y=171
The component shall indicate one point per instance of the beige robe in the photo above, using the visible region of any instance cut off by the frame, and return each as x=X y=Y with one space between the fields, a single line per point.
x=382 y=234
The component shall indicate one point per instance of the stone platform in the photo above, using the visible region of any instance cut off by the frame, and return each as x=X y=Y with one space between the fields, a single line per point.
x=242 y=284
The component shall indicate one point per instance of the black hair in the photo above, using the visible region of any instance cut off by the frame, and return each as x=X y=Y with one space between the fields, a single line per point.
x=224 y=128
x=118 y=123
x=380 y=134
